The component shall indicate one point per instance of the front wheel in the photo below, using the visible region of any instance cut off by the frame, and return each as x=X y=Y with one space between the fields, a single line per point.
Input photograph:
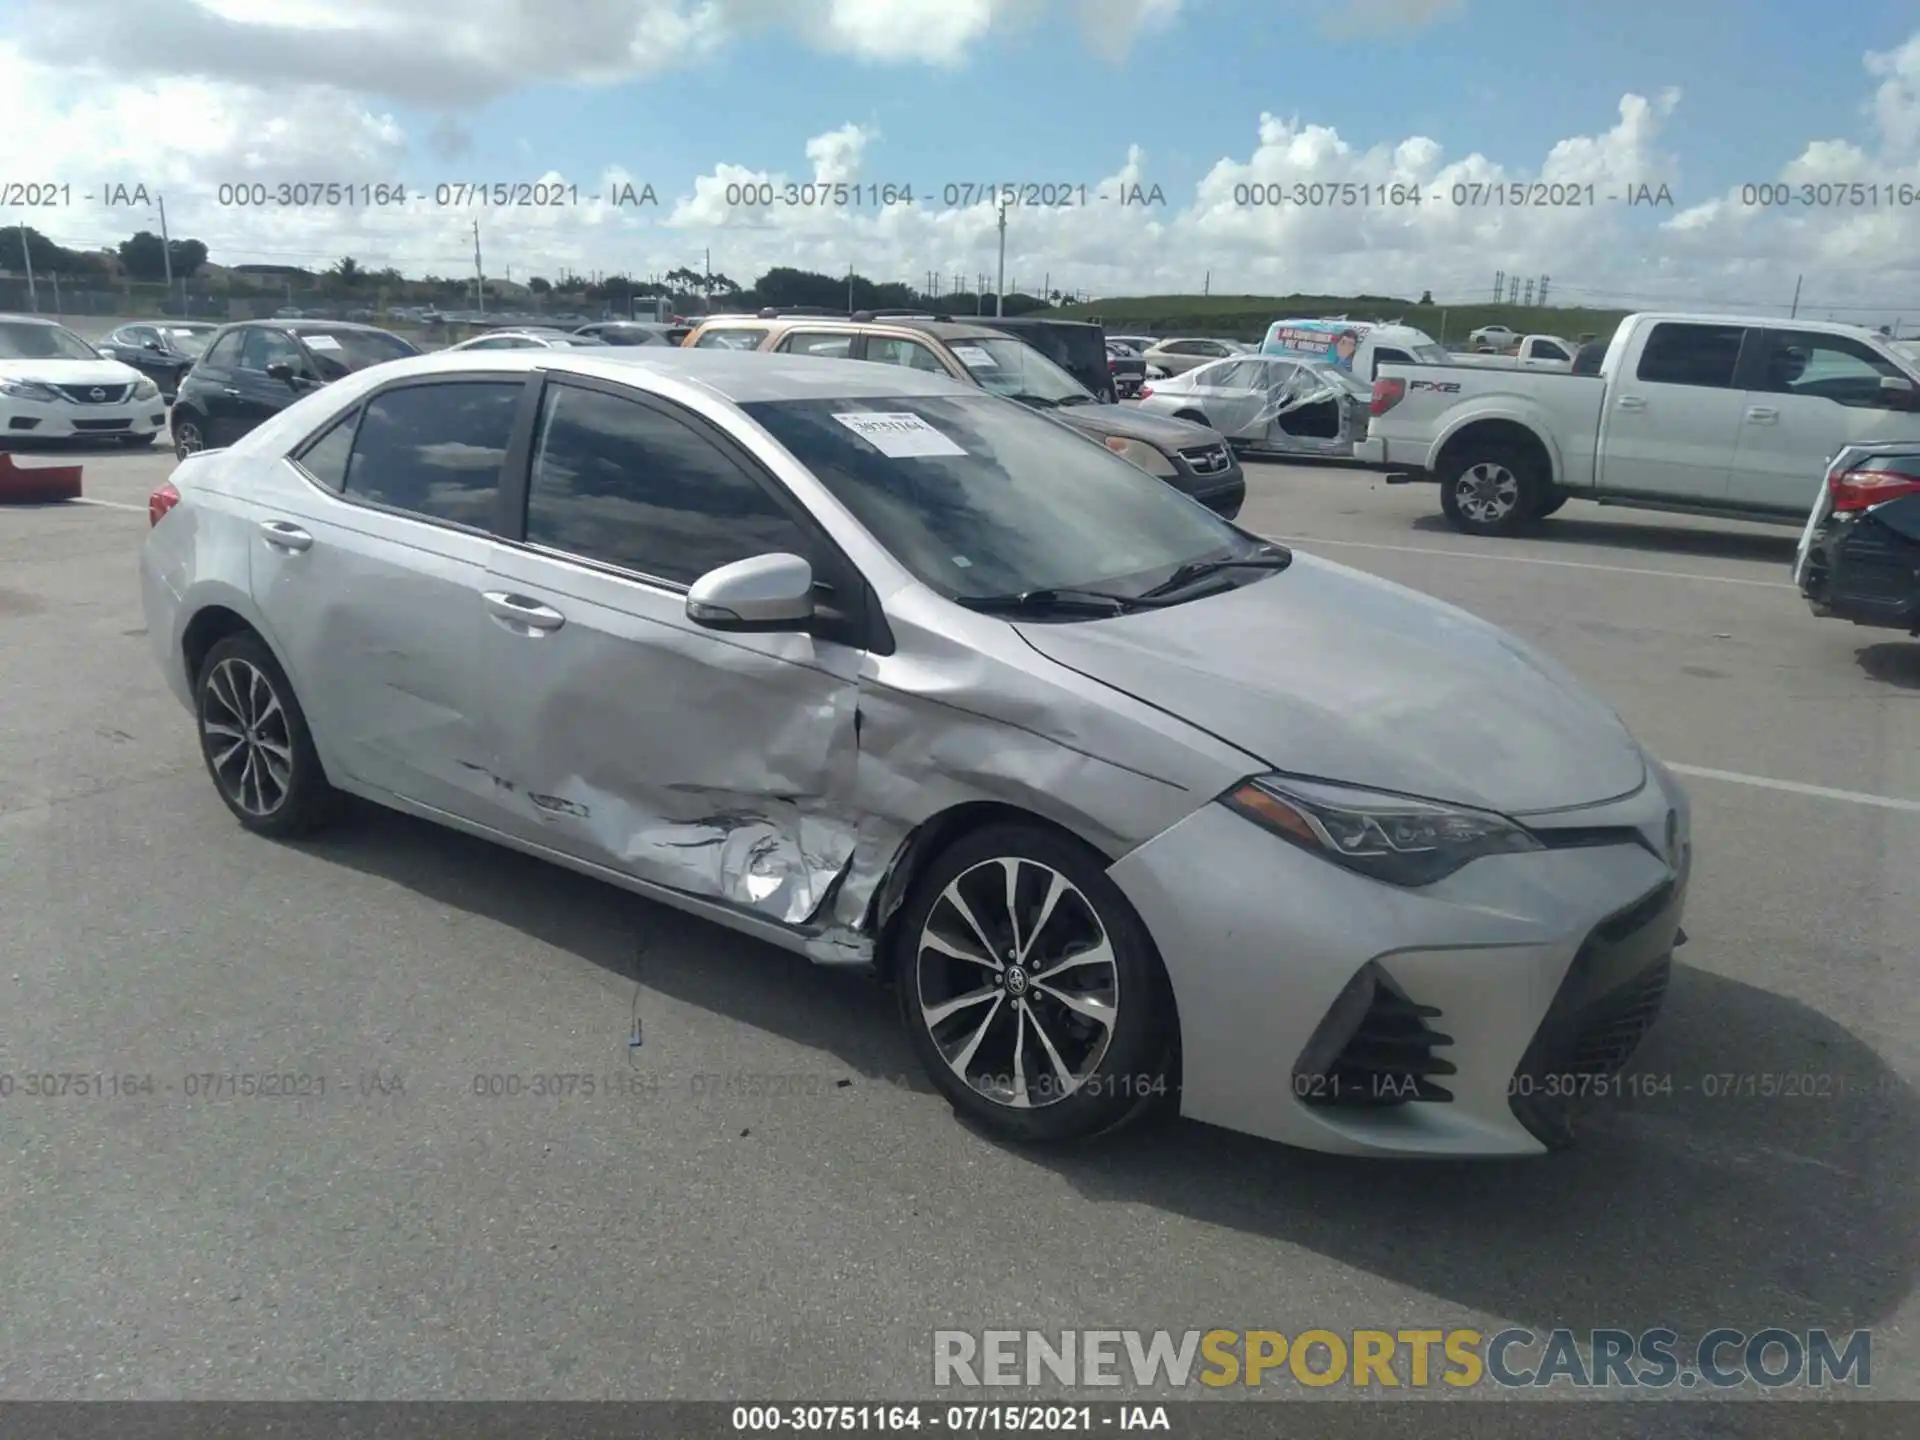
x=1490 y=490
x=1030 y=989
x=189 y=434
x=254 y=738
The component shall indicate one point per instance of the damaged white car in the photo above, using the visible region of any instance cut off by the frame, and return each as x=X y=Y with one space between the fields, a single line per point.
x=1267 y=404
x=1129 y=805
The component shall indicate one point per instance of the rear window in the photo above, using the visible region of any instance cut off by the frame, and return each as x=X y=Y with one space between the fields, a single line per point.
x=1704 y=355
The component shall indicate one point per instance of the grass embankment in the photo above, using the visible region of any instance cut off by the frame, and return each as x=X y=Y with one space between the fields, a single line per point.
x=1246 y=317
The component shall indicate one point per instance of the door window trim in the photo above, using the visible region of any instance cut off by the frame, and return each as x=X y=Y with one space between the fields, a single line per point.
x=359 y=408
x=864 y=626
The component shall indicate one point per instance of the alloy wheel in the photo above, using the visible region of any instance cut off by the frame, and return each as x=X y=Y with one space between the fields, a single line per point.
x=187 y=439
x=249 y=742
x=1017 y=983
x=1487 y=492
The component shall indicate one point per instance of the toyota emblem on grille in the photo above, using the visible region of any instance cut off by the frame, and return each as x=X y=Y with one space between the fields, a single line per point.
x=96 y=394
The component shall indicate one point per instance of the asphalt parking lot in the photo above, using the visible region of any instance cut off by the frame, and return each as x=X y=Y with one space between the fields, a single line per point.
x=405 y=1236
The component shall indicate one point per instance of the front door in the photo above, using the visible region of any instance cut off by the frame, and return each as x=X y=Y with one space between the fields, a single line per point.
x=1813 y=395
x=717 y=764
x=369 y=562
x=1671 y=426
x=255 y=396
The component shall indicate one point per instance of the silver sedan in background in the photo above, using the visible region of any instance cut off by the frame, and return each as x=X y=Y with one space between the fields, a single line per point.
x=1269 y=404
x=1129 y=805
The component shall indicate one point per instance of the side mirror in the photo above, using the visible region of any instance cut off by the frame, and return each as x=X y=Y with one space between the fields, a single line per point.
x=1898 y=391
x=280 y=370
x=763 y=593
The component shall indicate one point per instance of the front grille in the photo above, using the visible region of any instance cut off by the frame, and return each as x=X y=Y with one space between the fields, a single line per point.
x=1374 y=1049
x=93 y=394
x=96 y=427
x=1605 y=1006
x=1208 y=459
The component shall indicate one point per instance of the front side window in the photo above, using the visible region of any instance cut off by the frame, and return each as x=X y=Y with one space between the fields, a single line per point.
x=1702 y=355
x=731 y=339
x=822 y=343
x=1830 y=367
x=892 y=350
x=270 y=347
x=979 y=499
x=226 y=354
x=435 y=450
x=626 y=484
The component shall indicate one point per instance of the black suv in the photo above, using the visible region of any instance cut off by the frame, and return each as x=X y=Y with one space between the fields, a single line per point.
x=1076 y=346
x=255 y=369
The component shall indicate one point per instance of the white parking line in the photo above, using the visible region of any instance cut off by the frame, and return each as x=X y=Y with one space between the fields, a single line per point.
x=1309 y=541
x=1794 y=787
x=108 y=504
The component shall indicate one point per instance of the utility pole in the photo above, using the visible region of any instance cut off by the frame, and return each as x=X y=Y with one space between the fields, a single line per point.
x=849 y=287
x=706 y=288
x=479 y=275
x=166 y=253
x=26 y=252
x=1796 y=296
x=1000 y=284
x=1206 y=285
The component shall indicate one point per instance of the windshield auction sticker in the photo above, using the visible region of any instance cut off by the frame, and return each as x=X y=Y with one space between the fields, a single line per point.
x=902 y=435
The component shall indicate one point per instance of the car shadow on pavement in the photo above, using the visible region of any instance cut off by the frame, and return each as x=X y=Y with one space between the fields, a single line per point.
x=1892 y=662
x=1570 y=529
x=1771 y=1177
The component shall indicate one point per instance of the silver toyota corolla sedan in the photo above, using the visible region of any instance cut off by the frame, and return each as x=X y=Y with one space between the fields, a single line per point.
x=1129 y=804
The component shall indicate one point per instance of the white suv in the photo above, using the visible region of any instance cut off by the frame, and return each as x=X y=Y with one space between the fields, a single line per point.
x=55 y=386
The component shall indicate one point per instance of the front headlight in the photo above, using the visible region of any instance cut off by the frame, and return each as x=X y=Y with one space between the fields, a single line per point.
x=145 y=390
x=1394 y=838
x=27 y=390
x=1153 y=461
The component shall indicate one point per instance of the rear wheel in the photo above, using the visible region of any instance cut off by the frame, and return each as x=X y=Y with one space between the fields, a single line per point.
x=1490 y=489
x=1030 y=989
x=254 y=738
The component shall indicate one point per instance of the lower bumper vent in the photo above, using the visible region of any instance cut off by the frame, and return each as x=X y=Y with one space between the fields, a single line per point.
x=1374 y=1049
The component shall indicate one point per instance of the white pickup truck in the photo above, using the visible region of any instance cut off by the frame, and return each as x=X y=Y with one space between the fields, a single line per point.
x=1715 y=415
x=1534 y=352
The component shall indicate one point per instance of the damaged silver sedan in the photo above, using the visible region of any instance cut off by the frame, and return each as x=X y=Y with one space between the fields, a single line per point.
x=1128 y=804
x=1269 y=404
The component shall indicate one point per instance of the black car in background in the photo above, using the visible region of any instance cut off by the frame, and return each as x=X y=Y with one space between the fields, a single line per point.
x=1128 y=368
x=253 y=370
x=1076 y=346
x=161 y=350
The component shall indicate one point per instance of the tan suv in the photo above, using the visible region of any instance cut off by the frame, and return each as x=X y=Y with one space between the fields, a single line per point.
x=1191 y=458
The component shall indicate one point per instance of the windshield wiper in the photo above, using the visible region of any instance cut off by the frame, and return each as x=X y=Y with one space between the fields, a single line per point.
x=1027 y=397
x=1098 y=602
x=1079 y=400
x=1194 y=571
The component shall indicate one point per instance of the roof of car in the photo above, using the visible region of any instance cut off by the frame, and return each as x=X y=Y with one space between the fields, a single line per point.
x=939 y=329
x=308 y=323
x=740 y=376
x=30 y=320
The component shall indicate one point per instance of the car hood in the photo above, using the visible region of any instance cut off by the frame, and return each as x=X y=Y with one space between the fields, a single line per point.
x=71 y=372
x=1325 y=672
x=1131 y=423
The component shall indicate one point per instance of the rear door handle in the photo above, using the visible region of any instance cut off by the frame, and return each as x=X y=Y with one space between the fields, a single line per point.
x=1632 y=402
x=522 y=614
x=1763 y=414
x=284 y=535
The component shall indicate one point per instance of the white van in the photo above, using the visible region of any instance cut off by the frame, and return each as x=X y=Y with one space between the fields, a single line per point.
x=1356 y=345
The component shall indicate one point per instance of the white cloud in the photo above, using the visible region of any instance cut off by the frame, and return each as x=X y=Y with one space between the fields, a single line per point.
x=187 y=132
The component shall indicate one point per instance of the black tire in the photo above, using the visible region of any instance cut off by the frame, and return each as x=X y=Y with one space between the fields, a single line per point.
x=1490 y=488
x=263 y=742
x=187 y=424
x=1113 y=1077
x=1550 y=503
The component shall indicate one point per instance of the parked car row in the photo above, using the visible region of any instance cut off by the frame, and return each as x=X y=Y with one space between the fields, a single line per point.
x=55 y=386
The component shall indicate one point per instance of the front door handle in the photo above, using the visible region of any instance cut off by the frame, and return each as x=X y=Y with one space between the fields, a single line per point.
x=231 y=390
x=285 y=535
x=1632 y=402
x=522 y=614
x=1763 y=415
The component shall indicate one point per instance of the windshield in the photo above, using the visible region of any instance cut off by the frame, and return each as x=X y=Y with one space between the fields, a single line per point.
x=980 y=499
x=1015 y=369
x=43 y=342
x=189 y=342
x=341 y=352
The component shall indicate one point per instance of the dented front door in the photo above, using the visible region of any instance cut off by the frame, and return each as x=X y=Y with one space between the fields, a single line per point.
x=624 y=734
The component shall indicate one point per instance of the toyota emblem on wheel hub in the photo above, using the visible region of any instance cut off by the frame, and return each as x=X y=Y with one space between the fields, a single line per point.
x=1016 y=981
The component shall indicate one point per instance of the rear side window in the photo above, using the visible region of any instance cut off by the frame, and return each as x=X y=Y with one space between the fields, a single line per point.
x=435 y=450
x=325 y=457
x=1704 y=355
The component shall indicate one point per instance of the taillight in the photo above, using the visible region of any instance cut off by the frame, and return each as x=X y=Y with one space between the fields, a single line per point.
x=1145 y=392
x=160 y=502
x=1858 y=489
x=1387 y=393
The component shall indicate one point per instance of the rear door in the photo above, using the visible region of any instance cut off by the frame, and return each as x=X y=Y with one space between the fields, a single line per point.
x=624 y=734
x=1674 y=413
x=1811 y=396
x=369 y=562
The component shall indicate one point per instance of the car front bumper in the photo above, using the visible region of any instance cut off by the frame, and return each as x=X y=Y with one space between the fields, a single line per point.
x=66 y=420
x=1312 y=1002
